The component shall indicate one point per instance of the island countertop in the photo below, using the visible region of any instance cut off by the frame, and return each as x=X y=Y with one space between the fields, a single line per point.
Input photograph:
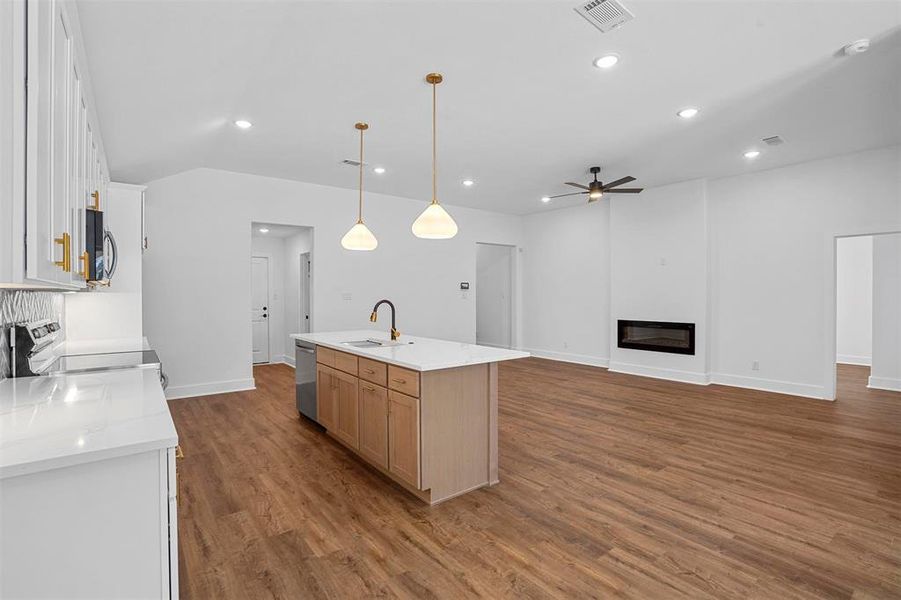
x=422 y=354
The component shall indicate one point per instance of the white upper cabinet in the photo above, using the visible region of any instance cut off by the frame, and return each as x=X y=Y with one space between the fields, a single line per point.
x=58 y=157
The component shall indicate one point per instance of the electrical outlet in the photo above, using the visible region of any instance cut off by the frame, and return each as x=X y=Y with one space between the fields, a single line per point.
x=755 y=366
x=346 y=296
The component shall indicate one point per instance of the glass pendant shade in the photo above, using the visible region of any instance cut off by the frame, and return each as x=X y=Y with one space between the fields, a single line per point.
x=435 y=224
x=359 y=238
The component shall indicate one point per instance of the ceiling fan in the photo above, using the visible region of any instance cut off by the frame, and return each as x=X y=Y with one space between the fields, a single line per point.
x=596 y=189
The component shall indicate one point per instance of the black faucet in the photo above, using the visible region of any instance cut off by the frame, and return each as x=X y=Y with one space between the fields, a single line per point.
x=374 y=316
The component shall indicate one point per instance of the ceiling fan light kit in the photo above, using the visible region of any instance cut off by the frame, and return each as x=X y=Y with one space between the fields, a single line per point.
x=596 y=189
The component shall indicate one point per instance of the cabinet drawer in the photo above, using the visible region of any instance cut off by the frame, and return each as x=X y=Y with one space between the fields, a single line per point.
x=346 y=362
x=325 y=356
x=374 y=371
x=403 y=380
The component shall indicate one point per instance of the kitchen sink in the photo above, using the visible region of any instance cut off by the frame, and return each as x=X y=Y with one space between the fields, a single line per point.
x=371 y=343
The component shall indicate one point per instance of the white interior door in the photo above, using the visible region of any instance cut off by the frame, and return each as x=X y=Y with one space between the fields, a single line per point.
x=259 y=312
x=494 y=295
x=304 y=313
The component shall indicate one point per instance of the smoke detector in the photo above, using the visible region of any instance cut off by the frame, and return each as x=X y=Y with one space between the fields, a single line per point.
x=773 y=140
x=606 y=15
x=858 y=47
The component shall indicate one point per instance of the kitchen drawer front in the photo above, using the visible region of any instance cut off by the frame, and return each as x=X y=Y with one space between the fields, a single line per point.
x=403 y=380
x=346 y=362
x=325 y=356
x=374 y=371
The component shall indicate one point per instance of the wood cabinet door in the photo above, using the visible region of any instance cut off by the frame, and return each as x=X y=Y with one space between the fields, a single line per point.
x=326 y=398
x=374 y=423
x=348 y=426
x=403 y=437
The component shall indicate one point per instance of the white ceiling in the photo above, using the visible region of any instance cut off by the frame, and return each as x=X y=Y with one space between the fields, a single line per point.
x=275 y=230
x=522 y=108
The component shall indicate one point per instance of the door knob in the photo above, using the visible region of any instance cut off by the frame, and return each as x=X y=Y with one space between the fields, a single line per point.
x=264 y=316
x=264 y=308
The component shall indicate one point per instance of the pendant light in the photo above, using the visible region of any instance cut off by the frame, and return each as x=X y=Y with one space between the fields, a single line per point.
x=359 y=237
x=434 y=223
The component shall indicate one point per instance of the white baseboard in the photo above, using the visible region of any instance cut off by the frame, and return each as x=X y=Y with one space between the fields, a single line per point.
x=770 y=385
x=849 y=359
x=288 y=360
x=579 y=359
x=213 y=387
x=660 y=373
x=884 y=383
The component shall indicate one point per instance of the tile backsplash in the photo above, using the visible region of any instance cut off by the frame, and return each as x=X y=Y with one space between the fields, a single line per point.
x=17 y=306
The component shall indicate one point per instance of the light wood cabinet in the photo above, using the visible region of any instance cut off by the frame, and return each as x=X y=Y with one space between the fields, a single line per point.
x=347 y=426
x=373 y=422
x=326 y=397
x=403 y=380
x=434 y=433
x=403 y=437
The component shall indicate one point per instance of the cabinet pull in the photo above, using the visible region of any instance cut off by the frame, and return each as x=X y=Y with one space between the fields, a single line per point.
x=96 y=196
x=368 y=388
x=399 y=380
x=179 y=453
x=369 y=371
x=66 y=242
x=84 y=264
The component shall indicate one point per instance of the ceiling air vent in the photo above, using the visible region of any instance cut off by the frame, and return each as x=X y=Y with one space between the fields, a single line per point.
x=604 y=14
x=351 y=162
x=773 y=140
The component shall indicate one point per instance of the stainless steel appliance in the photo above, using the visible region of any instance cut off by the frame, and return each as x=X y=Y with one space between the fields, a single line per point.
x=305 y=378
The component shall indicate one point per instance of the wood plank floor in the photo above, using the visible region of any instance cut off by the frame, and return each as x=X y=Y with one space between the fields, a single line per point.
x=612 y=486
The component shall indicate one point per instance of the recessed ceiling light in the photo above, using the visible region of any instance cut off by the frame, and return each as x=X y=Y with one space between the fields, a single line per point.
x=378 y=170
x=545 y=199
x=244 y=124
x=752 y=153
x=687 y=113
x=468 y=182
x=264 y=230
x=606 y=61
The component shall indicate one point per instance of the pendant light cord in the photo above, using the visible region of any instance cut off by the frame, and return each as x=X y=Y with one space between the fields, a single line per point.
x=434 y=143
x=360 y=213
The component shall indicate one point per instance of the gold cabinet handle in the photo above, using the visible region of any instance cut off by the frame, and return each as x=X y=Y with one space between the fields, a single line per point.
x=96 y=196
x=369 y=371
x=66 y=242
x=399 y=380
x=368 y=388
x=179 y=453
x=84 y=264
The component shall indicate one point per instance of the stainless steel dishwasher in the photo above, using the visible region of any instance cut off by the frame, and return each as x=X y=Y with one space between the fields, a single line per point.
x=305 y=378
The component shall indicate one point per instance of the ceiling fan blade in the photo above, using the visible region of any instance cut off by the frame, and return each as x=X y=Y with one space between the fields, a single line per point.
x=578 y=185
x=624 y=191
x=613 y=184
x=573 y=194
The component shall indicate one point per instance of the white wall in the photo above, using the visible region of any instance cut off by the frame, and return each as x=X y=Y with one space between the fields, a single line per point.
x=494 y=288
x=566 y=284
x=659 y=273
x=770 y=258
x=197 y=272
x=773 y=270
x=886 y=370
x=273 y=249
x=854 y=300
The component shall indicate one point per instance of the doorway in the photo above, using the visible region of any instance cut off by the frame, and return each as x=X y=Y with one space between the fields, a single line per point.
x=868 y=310
x=494 y=295
x=289 y=252
x=259 y=307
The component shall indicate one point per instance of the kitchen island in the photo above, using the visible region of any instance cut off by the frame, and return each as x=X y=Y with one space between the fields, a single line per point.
x=420 y=410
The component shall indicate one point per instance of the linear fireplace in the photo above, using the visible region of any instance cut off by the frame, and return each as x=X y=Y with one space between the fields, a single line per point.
x=657 y=336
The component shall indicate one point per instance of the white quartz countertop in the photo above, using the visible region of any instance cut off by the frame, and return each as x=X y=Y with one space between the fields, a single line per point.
x=423 y=354
x=64 y=420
